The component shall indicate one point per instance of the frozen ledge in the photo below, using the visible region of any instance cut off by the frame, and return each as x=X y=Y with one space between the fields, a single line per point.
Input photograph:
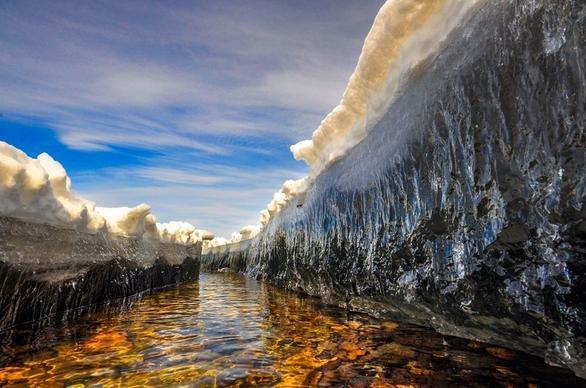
x=48 y=272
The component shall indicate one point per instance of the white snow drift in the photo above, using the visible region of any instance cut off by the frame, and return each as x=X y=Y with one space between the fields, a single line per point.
x=39 y=190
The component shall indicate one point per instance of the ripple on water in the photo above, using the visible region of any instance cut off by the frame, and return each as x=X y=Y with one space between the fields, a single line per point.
x=228 y=330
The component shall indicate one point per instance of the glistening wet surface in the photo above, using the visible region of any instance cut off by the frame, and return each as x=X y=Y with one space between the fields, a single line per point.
x=226 y=330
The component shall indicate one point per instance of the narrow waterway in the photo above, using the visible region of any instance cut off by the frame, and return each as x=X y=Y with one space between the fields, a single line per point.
x=228 y=330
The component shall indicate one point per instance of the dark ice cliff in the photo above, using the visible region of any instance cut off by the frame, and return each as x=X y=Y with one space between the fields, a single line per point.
x=464 y=207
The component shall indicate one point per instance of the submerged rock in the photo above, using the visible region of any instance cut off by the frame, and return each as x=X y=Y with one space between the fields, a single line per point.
x=50 y=273
x=465 y=208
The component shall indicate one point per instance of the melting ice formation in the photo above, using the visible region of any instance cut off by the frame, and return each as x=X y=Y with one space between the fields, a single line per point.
x=39 y=190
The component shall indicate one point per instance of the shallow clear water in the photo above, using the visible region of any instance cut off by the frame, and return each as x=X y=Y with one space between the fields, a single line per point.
x=229 y=330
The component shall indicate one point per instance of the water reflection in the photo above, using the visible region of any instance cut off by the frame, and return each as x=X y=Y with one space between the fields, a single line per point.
x=228 y=330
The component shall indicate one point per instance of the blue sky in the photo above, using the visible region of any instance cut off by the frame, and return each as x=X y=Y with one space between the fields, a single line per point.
x=188 y=106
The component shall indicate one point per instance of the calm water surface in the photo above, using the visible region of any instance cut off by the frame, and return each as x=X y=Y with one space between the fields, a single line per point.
x=227 y=330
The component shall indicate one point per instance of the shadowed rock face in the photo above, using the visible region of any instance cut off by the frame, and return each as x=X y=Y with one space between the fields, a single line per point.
x=50 y=274
x=464 y=209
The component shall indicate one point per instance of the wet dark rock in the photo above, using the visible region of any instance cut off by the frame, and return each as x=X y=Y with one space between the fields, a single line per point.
x=464 y=209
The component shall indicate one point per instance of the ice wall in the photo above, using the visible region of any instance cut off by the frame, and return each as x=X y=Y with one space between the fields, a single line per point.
x=61 y=255
x=464 y=208
x=51 y=273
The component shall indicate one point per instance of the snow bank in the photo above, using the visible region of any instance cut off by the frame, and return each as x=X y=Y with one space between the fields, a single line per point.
x=39 y=190
x=404 y=35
